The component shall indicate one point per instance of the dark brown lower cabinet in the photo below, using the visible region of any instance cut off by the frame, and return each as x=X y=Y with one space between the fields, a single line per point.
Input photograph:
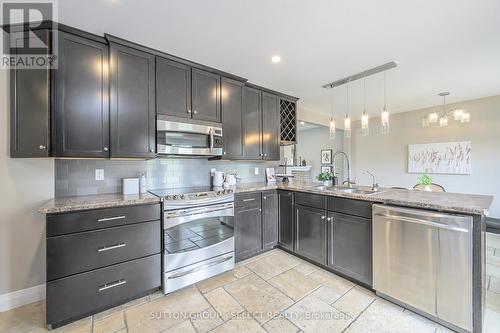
x=350 y=246
x=97 y=259
x=285 y=219
x=269 y=220
x=310 y=231
x=247 y=231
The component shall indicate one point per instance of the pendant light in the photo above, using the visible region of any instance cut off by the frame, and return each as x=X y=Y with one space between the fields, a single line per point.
x=365 y=130
x=347 y=120
x=332 y=120
x=385 y=113
x=444 y=116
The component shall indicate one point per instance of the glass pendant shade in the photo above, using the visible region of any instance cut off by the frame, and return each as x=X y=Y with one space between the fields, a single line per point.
x=365 y=129
x=465 y=117
x=332 y=128
x=347 y=126
x=385 y=121
x=443 y=121
x=433 y=117
x=458 y=114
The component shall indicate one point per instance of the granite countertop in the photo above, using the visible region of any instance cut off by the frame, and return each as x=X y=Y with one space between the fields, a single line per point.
x=449 y=202
x=68 y=204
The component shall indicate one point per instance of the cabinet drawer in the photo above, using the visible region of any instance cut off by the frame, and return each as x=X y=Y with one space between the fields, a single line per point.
x=350 y=207
x=87 y=293
x=76 y=253
x=311 y=200
x=247 y=199
x=66 y=223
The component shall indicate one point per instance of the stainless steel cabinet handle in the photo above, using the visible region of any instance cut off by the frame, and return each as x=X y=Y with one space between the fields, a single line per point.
x=329 y=219
x=260 y=210
x=112 y=284
x=323 y=217
x=151 y=150
x=111 y=247
x=105 y=149
x=188 y=111
x=195 y=112
x=111 y=218
x=420 y=221
x=251 y=199
x=42 y=147
x=211 y=138
x=264 y=198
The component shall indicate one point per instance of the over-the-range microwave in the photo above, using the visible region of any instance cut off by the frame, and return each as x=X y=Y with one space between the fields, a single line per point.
x=189 y=140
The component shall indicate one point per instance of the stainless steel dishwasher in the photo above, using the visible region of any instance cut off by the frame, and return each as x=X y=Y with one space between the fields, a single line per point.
x=424 y=259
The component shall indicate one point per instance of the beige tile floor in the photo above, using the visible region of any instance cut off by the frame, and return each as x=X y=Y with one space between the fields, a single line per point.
x=273 y=292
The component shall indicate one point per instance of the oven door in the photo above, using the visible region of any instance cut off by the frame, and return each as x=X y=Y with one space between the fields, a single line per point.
x=197 y=234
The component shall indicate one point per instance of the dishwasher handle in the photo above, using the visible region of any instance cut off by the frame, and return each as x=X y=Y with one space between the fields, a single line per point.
x=420 y=221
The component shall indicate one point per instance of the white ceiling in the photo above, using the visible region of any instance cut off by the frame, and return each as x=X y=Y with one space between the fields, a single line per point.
x=441 y=45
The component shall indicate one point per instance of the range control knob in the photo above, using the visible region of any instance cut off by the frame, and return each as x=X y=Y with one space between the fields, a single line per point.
x=176 y=197
x=182 y=196
x=168 y=197
x=229 y=191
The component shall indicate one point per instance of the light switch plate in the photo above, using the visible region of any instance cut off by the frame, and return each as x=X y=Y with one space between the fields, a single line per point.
x=256 y=171
x=99 y=174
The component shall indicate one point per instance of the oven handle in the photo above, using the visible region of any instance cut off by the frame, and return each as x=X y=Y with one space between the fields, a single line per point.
x=211 y=139
x=199 y=268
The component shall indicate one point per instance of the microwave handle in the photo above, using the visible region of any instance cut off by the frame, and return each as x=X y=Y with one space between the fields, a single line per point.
x=211 y=139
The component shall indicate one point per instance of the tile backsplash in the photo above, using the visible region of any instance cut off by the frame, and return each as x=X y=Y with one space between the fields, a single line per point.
x=77 y=177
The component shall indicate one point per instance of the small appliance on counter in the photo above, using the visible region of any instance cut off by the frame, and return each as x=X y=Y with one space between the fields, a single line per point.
x=218 y=179
x=130 y=186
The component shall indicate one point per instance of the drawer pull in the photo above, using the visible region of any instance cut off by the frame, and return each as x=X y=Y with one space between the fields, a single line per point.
x=111 y=218
x=247 y=200
x=112 y=285
x=111 y=247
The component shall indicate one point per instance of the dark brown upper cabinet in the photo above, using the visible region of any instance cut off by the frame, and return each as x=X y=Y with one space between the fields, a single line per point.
x=205 y=95
x=30 y=107
x=232 y=117
x=252 y=124
x=132 y=102
x=270 y=127
x=81 y=117
x=173 y=88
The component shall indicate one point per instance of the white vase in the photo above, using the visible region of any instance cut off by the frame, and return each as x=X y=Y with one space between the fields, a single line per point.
x=427 y=188
x=327 y=183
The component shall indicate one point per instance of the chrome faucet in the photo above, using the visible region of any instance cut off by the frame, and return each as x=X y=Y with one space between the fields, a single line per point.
x=348 y=181
x=374 y=183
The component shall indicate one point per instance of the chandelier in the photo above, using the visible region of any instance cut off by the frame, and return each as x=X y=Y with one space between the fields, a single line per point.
x=442 y=116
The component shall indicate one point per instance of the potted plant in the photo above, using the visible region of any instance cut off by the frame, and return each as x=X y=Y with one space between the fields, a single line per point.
x=426 y=181
x=326 y=178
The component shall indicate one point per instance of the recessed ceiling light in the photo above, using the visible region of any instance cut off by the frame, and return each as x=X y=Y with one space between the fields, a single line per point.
x=302 y=123
x=276 y=59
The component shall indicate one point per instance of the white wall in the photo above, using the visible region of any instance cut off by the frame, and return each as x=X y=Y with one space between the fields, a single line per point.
x=387 y=155
x=310 y=143
x=25 y=185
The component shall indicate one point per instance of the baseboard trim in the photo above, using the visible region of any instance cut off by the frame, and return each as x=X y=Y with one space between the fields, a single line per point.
x=21 y=297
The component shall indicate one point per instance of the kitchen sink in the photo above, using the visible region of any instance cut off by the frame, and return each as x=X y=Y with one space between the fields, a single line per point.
x=353 y=190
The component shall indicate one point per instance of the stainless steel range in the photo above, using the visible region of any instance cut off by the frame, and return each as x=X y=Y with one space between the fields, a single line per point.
x=198 y=235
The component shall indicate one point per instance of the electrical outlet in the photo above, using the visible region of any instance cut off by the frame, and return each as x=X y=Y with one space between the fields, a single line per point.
x=256 y=171
x=99 y=174
x=212 y=171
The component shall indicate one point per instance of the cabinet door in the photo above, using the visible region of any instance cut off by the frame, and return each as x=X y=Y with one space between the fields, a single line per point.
x=205 y=95
x=350 y=246
x=310 y=231
x=285 y=219
x=270 y=127
x=269 y=220
x=247 y=232
x=252 y=124
x=173 y=88
x=29 y=105
x=132 y=102
x=232 y=118
x=81 y=118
